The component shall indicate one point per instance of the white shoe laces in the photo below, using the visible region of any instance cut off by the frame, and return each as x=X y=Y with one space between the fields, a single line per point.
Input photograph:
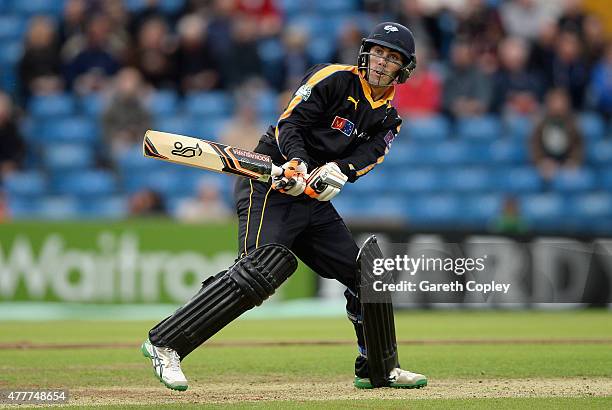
x=175 y=360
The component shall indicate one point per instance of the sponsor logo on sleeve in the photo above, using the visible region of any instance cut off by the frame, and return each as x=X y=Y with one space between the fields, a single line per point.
x=389 y=137
x=304 y=91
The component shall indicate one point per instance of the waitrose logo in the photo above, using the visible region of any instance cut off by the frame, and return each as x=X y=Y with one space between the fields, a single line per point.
x=117 y=270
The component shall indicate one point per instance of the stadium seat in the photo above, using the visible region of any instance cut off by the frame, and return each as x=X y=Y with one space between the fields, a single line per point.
x=593 y=205
x=57 y=208
x=52 y=105
x=26 y=184
x=10 y=51
x=320 y=49
x=407 y=153
x=469 y=180
x=32 y=7
x=435 y=127
x=21 y=208
x=482 y=209
x=518 y=180
x=70 y=129
x=574 y=180
x=210 y=129
x=92 y=105
x=168 y=183
x=433 y=210
x=163 y=102
x=508 y=152
x=68 y=156
x=91 y=183
x=209 y=104
x=545 y=212
x=451 y=153
x=479 y=128
x=114 y=207
x=334 y=7
x=179 y=124
x=411 y=181
x=605 y=176
x=591 y=125
x=518 y=127
x=600 y=152
x=12 y=28
x=379 y=208
x=267 y=104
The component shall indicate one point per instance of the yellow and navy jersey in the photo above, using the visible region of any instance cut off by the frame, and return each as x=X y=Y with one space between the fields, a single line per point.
x=324 y=119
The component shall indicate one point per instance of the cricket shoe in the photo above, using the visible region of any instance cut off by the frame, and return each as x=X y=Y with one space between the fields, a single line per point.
x=166 y=365
x=398 y=379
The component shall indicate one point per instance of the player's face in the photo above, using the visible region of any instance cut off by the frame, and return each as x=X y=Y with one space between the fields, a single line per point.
x=384 y=65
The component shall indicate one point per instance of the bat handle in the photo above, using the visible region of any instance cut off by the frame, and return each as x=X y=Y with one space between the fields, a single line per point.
x=276 y=171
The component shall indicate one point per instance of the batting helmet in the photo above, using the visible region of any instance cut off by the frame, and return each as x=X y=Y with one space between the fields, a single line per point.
x=397 y=38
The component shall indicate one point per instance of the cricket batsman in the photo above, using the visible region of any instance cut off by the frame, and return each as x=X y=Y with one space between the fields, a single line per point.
x=337 y=127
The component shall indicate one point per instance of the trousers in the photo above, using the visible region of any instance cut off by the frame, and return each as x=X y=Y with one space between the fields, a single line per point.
x=313 y=230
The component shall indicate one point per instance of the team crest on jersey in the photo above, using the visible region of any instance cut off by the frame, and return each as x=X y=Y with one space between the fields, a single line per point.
x=304 y=91
x=343 y=125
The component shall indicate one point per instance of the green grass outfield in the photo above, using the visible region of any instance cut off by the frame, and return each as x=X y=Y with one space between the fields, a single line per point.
x=501 y=359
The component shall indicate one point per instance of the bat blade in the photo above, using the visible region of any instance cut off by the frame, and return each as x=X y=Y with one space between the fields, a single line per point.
x=209 y=155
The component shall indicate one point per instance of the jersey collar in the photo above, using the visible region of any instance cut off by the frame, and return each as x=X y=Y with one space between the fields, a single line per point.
x=384 y=100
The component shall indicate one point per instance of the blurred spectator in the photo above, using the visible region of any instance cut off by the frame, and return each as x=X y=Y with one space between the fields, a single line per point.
x=90 y=68
x=296 y=60
x=197 y=66
x=421 y=96
x=601 y=83
x=206 y=206
x=242 y=62
x=510 y=220
x=572 y=17
x=411 y=14
x=147 y=202
x=243 y=129
x=348 y=45
x=12 y=147
x=556 y=141
x=517 y=89
x=150 y=11
x=542 y=53
x=467 y=91
x=220 y=27
x=4 y=209
x=569 y=68
x=125 y=119
x=119 y=19
x=265 y=12
x=594 y=40
x=525 y=18
x=153 y=54
x=481 y=25
x=74 y=20
x=40 y=64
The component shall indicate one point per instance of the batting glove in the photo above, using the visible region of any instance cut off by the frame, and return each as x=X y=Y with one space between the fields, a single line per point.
x=293 y=179
x=325 y=182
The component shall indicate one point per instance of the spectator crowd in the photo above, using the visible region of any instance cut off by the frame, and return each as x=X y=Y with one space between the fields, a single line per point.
x=546 y=61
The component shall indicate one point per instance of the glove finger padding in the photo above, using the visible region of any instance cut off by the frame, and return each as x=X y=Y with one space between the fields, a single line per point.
x=292 y=180
x=291 y=186
x=325 y=182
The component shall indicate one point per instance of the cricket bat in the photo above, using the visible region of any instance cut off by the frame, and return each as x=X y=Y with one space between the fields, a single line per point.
x=209 y=155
